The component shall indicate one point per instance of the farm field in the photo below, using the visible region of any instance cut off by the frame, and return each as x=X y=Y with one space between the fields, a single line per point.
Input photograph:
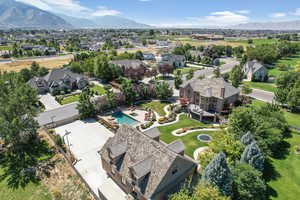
x=49 y=64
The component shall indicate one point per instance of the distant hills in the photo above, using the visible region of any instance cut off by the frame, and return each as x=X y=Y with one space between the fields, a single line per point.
x=19 y=15
x=285 y=25
x=107 y=22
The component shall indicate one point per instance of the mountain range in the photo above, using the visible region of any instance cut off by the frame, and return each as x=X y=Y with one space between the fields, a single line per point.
x=19 y=15
x=284 y=25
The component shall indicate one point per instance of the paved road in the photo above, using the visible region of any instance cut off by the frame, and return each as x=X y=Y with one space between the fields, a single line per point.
x=42 y=58
x=263 y=95
x=209 y=72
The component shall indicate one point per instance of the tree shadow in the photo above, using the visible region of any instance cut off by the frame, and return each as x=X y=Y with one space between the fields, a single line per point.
x=282 y=150
x=269 y=171
x=21 y=167
x=270 y=192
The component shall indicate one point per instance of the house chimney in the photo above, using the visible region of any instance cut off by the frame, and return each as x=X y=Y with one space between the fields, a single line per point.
x=222 y=92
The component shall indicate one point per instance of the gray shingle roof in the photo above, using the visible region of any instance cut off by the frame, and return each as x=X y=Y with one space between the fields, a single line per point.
x=153 y=132
x=126 y=63
x=254 y=65
x=212 y=87
x=177 y=146
x=146 y=156
x=59 y=114
x=61 y=73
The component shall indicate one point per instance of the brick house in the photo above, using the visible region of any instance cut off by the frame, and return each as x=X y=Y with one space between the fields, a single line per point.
x=209 y=97
x=144 y=167
x=133 y=69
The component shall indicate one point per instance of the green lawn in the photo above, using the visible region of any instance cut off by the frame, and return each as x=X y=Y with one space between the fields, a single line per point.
x=30 y=192
x=5 y=48
x=157 y=106
x=191 y=142
x=292 y=61
x=185 y=70
x=270 y=87
x=293 y=119
x=75 y=98
x=287 y=184
x=98 y=89
x=258 y=41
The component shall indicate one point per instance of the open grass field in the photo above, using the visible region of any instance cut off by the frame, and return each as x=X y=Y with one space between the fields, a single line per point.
x=157 y=106
x=270 y=87
x=292 y=61
x=19 y=65
x=190 y=141
x=207 y=43
x=287 y=180
x=257 y=41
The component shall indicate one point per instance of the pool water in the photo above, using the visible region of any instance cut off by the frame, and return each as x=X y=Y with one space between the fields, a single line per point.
x=124 y=119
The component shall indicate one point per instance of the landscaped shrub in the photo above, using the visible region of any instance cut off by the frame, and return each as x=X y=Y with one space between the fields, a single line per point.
x=147 y=125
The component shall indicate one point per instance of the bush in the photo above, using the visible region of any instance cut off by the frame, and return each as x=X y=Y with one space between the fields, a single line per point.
x=59 y=142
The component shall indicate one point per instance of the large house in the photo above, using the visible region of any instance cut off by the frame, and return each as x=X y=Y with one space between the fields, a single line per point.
x=134 y=69
x=209 y=97
x=176 y=61
x=144 y=167
x=58 y=80
x=255 y=71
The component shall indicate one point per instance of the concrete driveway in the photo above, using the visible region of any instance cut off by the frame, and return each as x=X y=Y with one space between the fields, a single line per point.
x=49 y=102
x=86 y=139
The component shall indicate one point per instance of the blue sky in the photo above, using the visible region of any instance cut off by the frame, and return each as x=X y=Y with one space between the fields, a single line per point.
x=178 y=13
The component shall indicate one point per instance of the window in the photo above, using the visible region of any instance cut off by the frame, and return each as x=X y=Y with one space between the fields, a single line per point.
x=174 y=171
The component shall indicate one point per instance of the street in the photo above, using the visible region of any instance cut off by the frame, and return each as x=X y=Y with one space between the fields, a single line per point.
x=263 y=95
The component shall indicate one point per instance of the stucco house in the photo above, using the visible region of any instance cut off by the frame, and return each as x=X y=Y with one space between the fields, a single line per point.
x=58 y=80
x=144 y=167
x=209 y=97
x=255 y=71
x=133 y=69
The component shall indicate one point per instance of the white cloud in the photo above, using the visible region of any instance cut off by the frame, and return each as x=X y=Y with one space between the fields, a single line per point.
x=70 y=7
x=244 y=12
x=278 y=15
x=103 y=11
x=296 y=12
x=223 y=18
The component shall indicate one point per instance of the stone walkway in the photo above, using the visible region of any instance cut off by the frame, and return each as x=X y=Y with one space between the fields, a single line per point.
x=192 y=131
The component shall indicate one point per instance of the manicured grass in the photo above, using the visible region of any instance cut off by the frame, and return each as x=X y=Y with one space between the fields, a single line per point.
x=270 y=87
x=5 y=48
x=258 y=41
x=98 y=89
x=185 y=70
x=291 y=61
x=190 y=140
x=29 y=192
x=75 y=98
x=157 y=106
x=287 y=183
x=293 y=119
x=70 y=99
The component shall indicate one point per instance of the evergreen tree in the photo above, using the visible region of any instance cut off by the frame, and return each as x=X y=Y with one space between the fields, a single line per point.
x=253 y=156
x=218 y=173
x=247 y=138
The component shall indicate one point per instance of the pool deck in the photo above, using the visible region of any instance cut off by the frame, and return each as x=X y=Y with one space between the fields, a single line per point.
x=139 y=115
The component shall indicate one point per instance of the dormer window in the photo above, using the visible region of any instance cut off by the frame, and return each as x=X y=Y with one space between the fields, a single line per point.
x=174 y=171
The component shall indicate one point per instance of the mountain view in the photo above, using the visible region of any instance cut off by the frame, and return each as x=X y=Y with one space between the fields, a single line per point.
x=149 y=100
x=19 y=15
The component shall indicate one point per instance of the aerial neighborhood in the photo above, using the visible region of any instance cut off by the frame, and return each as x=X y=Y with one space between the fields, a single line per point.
x=103 y=107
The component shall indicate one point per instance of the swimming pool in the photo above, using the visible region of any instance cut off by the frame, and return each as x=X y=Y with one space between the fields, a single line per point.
x=124 y=119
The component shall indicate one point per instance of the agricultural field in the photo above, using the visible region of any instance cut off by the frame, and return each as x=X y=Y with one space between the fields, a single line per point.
x=49 y=64
x=257 y=41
